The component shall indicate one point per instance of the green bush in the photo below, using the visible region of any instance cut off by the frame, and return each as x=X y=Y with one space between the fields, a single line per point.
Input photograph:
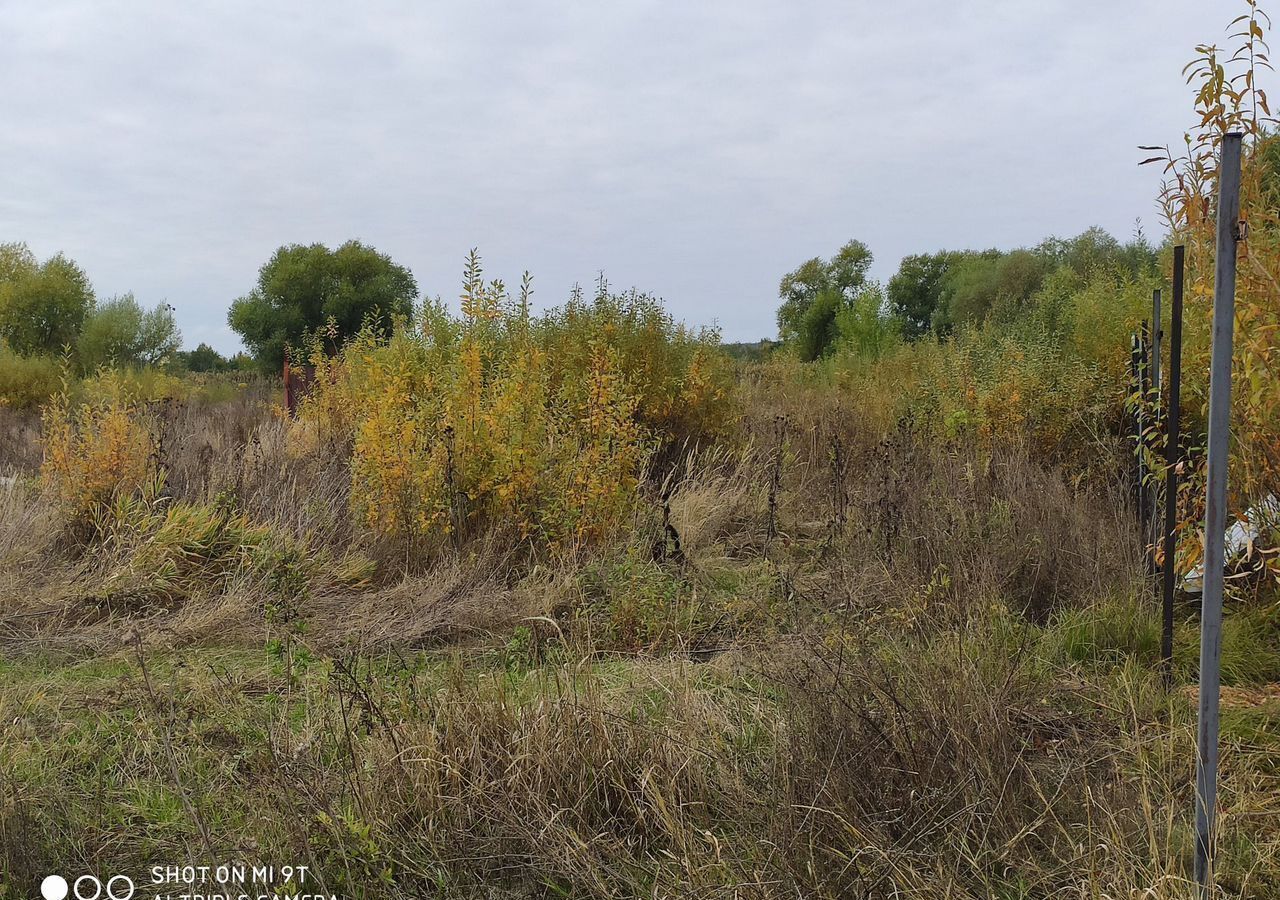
x=42 y=305
x=1046 y=368
x=119 y=332
x=27 y=381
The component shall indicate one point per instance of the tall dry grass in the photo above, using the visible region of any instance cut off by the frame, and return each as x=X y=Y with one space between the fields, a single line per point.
x=830 y=656
x=878 y=765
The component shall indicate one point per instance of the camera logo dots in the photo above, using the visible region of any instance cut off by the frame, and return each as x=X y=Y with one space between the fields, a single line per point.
x=87 y=887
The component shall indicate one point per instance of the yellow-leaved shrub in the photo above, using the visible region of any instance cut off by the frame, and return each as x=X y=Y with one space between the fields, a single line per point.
x=1229 y=99
x=543 y=425
x=1044 y=377
x=96 y=449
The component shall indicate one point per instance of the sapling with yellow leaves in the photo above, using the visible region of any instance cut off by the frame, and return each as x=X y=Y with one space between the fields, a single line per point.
x=543 y=426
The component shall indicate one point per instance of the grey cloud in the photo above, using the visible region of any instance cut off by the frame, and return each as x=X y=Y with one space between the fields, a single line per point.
x=698 y=150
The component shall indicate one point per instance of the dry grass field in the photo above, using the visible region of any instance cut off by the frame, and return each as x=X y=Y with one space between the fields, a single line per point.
x=817 y=660
x=585 y=604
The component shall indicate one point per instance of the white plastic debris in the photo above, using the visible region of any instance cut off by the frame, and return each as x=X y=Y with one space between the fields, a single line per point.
x=1239 y=539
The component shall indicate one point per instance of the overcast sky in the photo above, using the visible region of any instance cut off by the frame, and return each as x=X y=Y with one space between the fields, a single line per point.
x=697 y=150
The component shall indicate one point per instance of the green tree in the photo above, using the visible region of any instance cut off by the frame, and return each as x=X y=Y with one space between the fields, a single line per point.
x=942 y=291
x=814 y=293
x=16 y=261
x=818 y=330
x=1094 y=249
x=866 y=324
x=798 y=289
x=302 y=287
x=204 y=359
x=982 y=282
x=1018 y=277
x=120 y=332
x=42 y=307
x=916 y=289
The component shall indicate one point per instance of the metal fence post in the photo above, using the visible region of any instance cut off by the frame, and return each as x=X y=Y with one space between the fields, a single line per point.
x=1134 y=387
x=1157 y=333
x=1157 y=407
x=1145 y=492
x=1215 y=516
x=1172 y=451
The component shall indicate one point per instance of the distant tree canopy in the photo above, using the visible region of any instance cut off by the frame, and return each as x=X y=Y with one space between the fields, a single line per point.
x=204 y=359
x=813 y=296
x=830 y=305
x=750 y=351
x=936 y=293
x=48 y=308
x=302 y=287
x=914 y=292
x=120 y=332
x=42 y=306
x=977 y=282
x=865 y=325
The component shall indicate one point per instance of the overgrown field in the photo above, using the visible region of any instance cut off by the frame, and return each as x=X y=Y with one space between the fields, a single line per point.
x=760 y=633
x=575 y=605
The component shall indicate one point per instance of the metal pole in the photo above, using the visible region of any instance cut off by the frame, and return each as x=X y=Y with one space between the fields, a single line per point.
x=1157 y=333
x=1136 y=388
x=1156 y=406
x=1171 y=453
x=1144 y=487
x=1215 y=514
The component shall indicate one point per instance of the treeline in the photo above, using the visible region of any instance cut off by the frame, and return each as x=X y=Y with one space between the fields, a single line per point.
x=1030 y=344
x=53 y=325
x=829 y=305
x=49 y=309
